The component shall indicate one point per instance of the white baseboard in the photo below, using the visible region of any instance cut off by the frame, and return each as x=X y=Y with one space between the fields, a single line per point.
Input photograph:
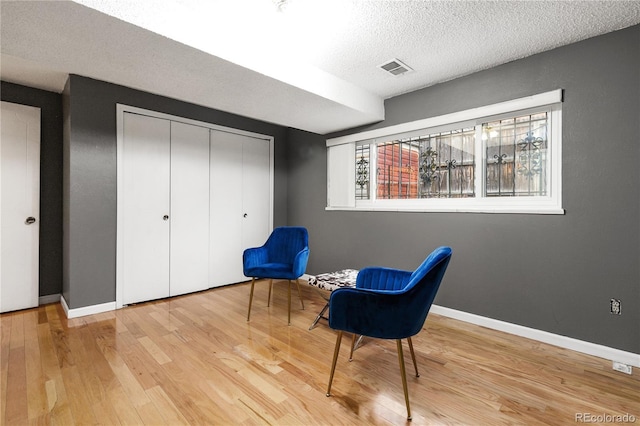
x=581 y=346
x=86 y=310
x=51 y=298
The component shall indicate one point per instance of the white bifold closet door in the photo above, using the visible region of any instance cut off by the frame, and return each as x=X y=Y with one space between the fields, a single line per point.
x=19 y=206
x=146 y=175
x=255 y=192
x=165 y=176
x=189 y=267
x=240 y=202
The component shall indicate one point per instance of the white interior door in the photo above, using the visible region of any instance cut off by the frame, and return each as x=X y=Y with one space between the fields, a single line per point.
x=225 y=262
x=189 y=208
x=145 y=215
x=19 y=206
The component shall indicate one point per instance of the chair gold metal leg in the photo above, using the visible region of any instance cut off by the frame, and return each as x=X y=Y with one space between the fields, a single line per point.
x=335 y=360
x=289 y=315
x=353 y=345
x=269 y=299
x=253 y=282
x=413 y=356
x=403 y=373
x=299 y=293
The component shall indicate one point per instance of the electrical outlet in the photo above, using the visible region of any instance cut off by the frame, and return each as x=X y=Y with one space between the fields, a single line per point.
x=616 y=307
x=623 y=368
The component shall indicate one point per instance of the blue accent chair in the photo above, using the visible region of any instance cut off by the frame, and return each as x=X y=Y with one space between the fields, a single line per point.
x=388 y=304
x=283 y=257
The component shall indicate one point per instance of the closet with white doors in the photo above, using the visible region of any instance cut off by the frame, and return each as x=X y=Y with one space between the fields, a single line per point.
x=191 y=197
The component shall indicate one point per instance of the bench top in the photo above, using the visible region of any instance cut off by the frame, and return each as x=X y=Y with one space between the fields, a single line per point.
x=333 y=280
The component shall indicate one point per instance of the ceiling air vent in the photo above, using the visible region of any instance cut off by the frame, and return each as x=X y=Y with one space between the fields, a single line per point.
x=395 y=67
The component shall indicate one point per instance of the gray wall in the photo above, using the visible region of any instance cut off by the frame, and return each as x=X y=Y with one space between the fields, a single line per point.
x=555 y=273
x=50 y=218
x=89 y=217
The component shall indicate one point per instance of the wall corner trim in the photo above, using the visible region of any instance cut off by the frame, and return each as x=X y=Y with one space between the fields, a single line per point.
x=565 y=342
x=86 y=310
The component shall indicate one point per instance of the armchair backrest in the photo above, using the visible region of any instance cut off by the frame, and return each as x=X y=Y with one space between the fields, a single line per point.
x=423 y=285
x=285 y=242
x=389 y=303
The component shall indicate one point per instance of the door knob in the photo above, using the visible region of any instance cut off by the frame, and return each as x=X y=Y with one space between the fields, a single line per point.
x=244 y=215
x=165 y=217
x=30 y=220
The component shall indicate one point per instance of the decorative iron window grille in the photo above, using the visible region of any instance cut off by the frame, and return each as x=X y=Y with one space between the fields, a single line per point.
x=449 y=164
x=362 y=172
x=439 y=165
x=397 y=169
x=516 y=153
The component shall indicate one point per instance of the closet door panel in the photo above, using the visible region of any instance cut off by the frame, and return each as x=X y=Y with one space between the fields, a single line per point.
x=146 y=177
x=255 y=192
x=226 y=208
x=19 y=206
x=189 y=217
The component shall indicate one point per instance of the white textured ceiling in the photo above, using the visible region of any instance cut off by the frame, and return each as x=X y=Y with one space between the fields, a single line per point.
x=311 y=65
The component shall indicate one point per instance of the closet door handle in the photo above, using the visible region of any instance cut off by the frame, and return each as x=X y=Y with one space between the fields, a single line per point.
x=30 y=220
x=244 y=215
x=165 y=217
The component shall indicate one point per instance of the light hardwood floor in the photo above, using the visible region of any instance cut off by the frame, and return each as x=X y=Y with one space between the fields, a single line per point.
x=195 y=360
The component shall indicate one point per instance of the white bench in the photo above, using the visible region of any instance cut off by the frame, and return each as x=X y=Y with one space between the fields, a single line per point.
x=329 y=282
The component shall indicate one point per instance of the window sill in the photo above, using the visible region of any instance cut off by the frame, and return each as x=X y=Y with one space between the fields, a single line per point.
x=467 y=209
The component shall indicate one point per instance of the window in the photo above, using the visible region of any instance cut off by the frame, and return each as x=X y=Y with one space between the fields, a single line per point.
x=516 y=156
x=501 y=158
x=438 y=165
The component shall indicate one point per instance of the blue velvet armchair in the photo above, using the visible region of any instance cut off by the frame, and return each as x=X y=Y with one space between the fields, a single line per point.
x=284 y=257
x=388 y=304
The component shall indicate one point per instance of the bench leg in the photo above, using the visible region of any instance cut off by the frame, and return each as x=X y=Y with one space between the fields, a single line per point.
x=355 y=344
x=320 y=315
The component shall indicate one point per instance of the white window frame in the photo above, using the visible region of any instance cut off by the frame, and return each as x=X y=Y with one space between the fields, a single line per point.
x=341 y=162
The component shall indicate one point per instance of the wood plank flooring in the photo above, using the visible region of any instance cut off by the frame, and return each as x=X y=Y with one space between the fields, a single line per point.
x=195 y=360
